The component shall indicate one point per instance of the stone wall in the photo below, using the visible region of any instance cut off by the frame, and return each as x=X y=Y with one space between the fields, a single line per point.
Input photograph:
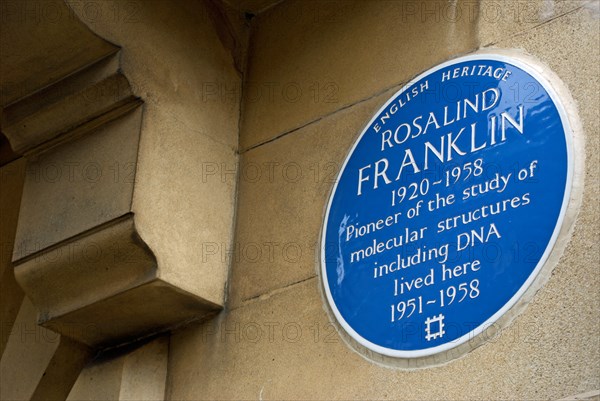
x=249 y=109
x=317 y=72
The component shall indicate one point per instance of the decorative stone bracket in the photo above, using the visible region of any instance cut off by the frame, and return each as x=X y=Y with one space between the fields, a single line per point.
x=102 y=248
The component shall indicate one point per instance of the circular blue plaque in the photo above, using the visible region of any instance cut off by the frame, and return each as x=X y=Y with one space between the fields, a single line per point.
x=447 y=206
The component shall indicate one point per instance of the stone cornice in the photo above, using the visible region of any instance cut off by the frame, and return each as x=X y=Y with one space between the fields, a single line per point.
x=79 y=253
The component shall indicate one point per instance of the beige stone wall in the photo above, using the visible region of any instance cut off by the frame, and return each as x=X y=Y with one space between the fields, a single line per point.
x=317 y=72
x=135 y=373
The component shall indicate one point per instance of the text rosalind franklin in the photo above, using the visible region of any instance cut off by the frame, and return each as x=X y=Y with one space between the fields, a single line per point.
x=456 y=141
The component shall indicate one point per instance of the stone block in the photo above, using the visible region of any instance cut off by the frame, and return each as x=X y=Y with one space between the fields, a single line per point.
x=116 y=209
x=289 y=178
x=310 y=59
x=501 y=19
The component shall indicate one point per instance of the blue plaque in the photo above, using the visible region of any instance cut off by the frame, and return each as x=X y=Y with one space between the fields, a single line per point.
x=447 y=206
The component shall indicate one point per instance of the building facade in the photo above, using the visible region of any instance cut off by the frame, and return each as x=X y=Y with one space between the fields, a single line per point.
x=166 y=168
